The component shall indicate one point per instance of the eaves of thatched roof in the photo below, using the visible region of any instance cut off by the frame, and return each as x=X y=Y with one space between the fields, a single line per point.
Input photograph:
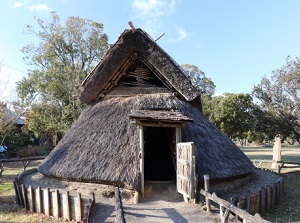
x=103 y=147
x=131 y=46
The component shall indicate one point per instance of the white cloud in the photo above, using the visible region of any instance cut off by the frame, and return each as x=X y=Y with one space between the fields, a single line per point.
x=153 y=8
x=150 y=12
x=18 y=4
x=38 y=8
x=181 y=35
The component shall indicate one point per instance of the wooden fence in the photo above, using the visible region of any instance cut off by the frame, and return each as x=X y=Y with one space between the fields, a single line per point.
x=252 y=203
x=226 y=208
x=69 y=205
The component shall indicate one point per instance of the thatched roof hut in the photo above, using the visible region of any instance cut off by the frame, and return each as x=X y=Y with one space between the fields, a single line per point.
x=137 y=84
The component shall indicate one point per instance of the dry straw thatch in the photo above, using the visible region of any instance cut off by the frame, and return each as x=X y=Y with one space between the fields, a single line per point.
x=103 y=147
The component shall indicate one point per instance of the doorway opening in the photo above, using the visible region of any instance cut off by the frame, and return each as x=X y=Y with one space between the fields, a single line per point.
x=160 y=154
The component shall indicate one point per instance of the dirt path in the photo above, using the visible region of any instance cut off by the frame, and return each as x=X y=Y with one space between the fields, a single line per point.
x=161 y=202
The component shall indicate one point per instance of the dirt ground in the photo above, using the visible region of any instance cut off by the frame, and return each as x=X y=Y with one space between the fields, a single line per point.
x=161 y=203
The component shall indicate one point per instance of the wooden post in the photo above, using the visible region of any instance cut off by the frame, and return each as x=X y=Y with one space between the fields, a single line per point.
x=276 y=152
x=262 y=203
x=56 y=204
x=248 y=198
x=178 y=135
x=66 y=205
x=80 y=212
x=142 y=160
x=40 y=201
x=136 y=197
x=256 y=202
x=269 y=198
x=47 y=201
x=31 y=199
x=119 y=207
x=281 y=188
x=273 y=198
x=17 y=193
x=207 y=188
x=24 y=191
x=224 y=214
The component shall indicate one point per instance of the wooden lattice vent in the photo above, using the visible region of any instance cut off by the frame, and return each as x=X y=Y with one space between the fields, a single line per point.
x=141 y=77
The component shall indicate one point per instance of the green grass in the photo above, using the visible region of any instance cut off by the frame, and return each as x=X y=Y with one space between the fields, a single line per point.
x=9 y=210
x=289 y=209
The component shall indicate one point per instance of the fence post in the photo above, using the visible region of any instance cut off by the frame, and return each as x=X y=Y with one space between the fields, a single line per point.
x=16 y=192
x=248 y=198
x=40 y=200
x=25 y=198
x=207 y=188
x=66 y=205
x=56 y=207
x=262 y=203
x=32 y=199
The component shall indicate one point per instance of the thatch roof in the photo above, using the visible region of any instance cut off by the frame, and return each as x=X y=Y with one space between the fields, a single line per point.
x=103 y=147
x=133 y=46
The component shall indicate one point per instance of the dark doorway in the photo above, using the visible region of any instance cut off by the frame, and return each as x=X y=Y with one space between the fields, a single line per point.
x=160 y=154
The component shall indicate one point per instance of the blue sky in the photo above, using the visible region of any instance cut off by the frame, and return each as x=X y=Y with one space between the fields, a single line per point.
x=235 y=42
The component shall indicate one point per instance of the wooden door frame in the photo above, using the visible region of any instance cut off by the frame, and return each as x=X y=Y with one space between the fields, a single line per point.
x=142 y=154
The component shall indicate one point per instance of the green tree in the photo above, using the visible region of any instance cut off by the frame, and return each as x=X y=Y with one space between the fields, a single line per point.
x=280 y=98
x=60 y=62
x=205 y=85
x=231 y=113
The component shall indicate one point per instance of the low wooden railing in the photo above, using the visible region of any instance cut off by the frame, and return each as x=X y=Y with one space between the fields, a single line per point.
x=69 y=205
x=226 y=208
x=119 y=207
x=252 y=203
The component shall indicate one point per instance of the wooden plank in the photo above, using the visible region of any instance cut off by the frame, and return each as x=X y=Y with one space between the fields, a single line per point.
x=40 y=200
x=278 y=192
x=142 y=160
x=22 y=159
x=31 y=199
x=185 y=173
x=273 y=196
x=66 y=206
x=256 y=201
x=20 y=195
x=79 y=210
x=47 y=203
x=280 y=189
x=207 y=188
x=269 y=198
x=242 y=201
x=56 y=204
x=119 y=207
x=17 y=193
x=25 y=197
x=262 y=203
x=224 y=214
x=248 y=196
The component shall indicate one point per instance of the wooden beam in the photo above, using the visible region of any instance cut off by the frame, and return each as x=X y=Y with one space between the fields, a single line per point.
x=22 y=159
x=141 y=129
x=157 y=124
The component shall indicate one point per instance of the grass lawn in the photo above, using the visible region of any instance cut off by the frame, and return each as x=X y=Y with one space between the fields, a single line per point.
x=289 y=209
x=9 y=210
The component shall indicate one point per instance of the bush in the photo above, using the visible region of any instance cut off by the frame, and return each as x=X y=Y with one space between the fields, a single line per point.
x=30 y=150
